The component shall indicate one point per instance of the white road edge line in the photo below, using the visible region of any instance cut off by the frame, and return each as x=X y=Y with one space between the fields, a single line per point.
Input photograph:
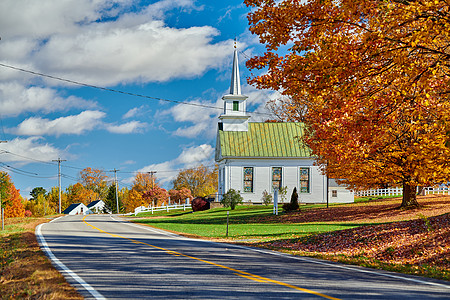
x=290 y=256
x=62 y=267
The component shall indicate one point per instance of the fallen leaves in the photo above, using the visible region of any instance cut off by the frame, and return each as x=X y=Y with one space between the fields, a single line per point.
x=421 y=244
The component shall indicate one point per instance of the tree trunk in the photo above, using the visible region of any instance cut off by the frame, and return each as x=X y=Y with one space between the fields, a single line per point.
x=409 y=196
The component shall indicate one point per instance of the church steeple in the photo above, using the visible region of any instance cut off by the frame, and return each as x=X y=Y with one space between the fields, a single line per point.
x=235 y=88
x=234 y=117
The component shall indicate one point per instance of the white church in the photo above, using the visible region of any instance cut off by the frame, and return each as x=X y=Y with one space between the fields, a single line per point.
x=254 y=157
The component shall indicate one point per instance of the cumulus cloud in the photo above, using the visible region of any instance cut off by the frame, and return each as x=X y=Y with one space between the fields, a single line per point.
x=202 y=121
x=75 y=124
x=15 y=99
x=129 y=127
x=190 y=157
x=88 y=41
x=21 y=150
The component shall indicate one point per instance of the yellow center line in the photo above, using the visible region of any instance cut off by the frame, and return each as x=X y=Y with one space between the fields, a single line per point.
x=236 y=272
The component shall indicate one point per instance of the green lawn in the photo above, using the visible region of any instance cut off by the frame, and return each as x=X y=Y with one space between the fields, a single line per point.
x=245 y=222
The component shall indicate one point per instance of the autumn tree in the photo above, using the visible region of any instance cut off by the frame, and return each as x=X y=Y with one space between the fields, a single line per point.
x=94 y=180
x=374 y=78
x=11 y=200
x=37 y=205
x=142 y=183
x=181 y=195
x=201 y=181
x=156 y=196
x=132 y=200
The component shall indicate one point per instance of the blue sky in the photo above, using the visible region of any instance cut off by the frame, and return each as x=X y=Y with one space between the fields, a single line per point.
x=177 y=50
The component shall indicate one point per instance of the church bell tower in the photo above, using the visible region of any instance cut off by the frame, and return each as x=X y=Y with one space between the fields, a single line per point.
x=234 y=116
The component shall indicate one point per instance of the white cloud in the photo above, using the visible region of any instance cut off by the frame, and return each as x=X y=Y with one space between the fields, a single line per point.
x=16 y=99
x=75 y=124
x=135 y=112
x=193 y=156
x=190 y=157
x=203 y=121
x=130 y=127
x=20 y=150
x=86 y=41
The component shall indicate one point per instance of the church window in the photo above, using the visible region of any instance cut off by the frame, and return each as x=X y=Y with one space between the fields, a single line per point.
x=277 y=176
x=304 y=180
x=235 y=105
x=248 y=179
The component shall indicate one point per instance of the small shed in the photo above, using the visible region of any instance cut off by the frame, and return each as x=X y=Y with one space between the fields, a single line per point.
x=339 y=193
x=97 y=206
x=77 y=209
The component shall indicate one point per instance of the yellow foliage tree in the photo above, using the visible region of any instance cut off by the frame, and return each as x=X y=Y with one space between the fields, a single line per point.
x=201 y=181
x=94 y=180
x=132 y=200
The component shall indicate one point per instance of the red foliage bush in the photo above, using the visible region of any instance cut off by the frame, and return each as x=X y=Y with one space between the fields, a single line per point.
x=199 y=204
x=28 y=213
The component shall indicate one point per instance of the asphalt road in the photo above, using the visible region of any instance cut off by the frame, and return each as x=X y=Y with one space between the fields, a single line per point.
x=106 y=257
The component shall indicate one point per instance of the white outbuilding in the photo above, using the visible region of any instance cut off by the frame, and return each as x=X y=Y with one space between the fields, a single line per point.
x=77 y=209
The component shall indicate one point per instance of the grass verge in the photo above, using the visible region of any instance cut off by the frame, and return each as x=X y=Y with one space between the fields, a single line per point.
x=25 y=271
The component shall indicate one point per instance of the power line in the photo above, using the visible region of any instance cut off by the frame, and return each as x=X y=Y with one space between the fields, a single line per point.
x=118 y=91
x=29 y=158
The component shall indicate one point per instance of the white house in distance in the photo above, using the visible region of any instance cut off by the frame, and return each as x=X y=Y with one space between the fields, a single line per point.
x=77 y=209
x=97 y=206
x=257 y=157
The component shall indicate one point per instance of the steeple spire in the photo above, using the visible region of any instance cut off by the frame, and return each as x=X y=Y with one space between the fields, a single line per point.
x=235 y=87
x=234 y=117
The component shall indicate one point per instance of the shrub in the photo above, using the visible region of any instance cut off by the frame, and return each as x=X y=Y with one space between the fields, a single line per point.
x=293 y=205
x=266 y=198
x=199 y=204
x=231 y=199
x=28 y=213
x=282 y=192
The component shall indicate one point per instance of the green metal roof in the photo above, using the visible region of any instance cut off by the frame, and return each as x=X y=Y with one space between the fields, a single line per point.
x=263 y=140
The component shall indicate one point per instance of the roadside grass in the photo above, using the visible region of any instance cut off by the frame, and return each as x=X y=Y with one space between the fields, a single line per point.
x=415 y=249
x=262 y=227
x=25 y=271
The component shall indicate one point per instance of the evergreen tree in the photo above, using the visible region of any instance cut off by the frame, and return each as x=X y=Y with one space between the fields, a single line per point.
x=110 y=200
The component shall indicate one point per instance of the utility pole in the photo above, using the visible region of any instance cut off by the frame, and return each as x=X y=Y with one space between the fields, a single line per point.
x=2 y=210
x=151 y=176
x=117 y=196
x=59 y=160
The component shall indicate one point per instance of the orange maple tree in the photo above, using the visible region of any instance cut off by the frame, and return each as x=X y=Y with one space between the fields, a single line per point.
x=10 y=197
x=156 y=196
x=181 y=195
x=374 y=79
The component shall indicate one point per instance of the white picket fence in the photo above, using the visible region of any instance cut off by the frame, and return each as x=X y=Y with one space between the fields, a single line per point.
x=397 y=191
x=380 y=192
x=167 y=208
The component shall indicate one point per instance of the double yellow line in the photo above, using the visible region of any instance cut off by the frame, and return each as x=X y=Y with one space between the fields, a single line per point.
x=236 y=272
